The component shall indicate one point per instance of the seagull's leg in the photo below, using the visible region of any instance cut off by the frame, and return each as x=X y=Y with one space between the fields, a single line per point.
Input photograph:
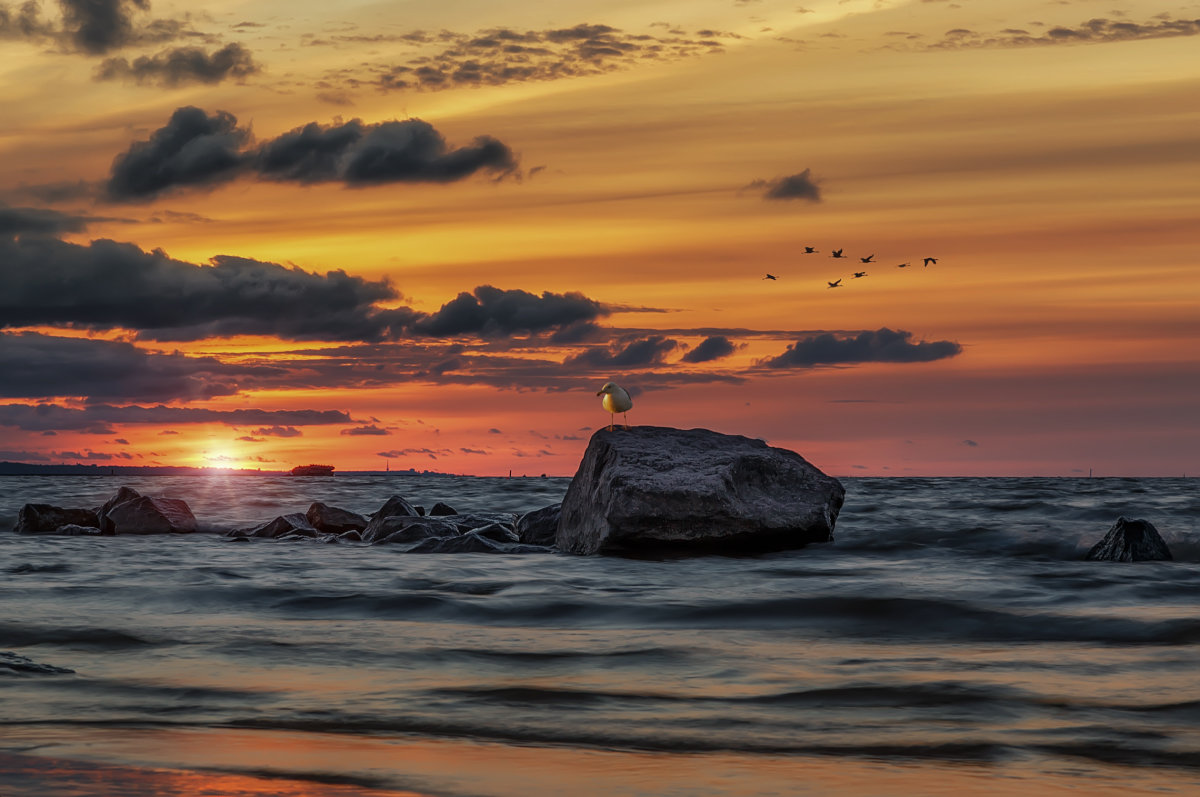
x=626 y=416
x=612 y=421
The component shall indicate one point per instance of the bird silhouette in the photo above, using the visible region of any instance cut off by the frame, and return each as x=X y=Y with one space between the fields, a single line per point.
x=837 y=253
x=867 y=259
x=615 y=400
x=929 y=260
x=770 y=277
x=904 y=265
x=837 y=284
x=808 y=250
x=858 y=274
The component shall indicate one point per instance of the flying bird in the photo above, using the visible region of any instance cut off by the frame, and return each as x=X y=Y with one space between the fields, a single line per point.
x=808 y=250
x=837 y=253
x=858 y=274
x=904 y=265
x=867 y=259
x=929 y=260
x=770 y=277
x=837 y=284
x=615 y=400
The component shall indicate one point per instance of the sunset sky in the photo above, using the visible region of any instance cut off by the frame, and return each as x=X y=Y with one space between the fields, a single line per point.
x=264 y=234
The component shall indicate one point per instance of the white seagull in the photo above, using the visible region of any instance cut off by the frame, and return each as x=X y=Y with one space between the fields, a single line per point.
x=615 y=400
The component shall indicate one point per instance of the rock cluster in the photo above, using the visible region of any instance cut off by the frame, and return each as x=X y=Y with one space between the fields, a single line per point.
x=127 y=512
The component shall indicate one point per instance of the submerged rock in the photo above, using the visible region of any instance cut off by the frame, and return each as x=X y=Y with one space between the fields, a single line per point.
x=146 y=515
x=334 y=520
x=1131 y=541
x=540 y=526
x=293 y=524
x=694 y=490
x=74 y=530
x=47 y=519
x=402 y=528
x=473 y=542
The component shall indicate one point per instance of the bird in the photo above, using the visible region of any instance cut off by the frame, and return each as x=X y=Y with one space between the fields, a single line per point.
x=903 y=265
x=808 y=250
x=615 y=400
x=837 y=284
x=770 y=277
x=837 y=253
x=858 y=274
x=867 y=259
x=929 y=260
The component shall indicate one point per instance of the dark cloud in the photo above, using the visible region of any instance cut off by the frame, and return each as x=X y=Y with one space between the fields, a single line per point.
x=106 y=285
x=1093 y=31
x=881 y=345
x=432 y=453
x=492 y=311
x=795 y=186
x=40 y=417
x=38 y=366
x=16 y=221
x=25 y=22
x=277 y=431
x=970 y=443
x=98 y=26
x=711 y=348
x=195 y=149
x=370 y=429
x=182 y=65
x=636 y=354
x=499 y=56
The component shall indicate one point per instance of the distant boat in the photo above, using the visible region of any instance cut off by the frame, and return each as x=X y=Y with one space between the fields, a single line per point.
x=312 y=470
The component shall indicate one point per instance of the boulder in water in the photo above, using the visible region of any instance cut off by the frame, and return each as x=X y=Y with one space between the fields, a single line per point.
x=1131 y=541
x=146 y=515
x=293 y=524
x=442 y=509
x=396 y=506
x=694 y=491
x=540 y=526
x=407 y=528
x=334 y=520
x=47 y=519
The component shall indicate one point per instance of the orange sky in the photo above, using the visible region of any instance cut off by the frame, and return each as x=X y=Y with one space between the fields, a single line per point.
x=624 y=175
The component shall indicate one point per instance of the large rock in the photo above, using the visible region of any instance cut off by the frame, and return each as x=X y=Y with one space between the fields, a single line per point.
x=334 y=520
x=1131 y=541
x=46 y=519
x=540 y=526
x=146 y=515
x=694 y=491
x=396 y=505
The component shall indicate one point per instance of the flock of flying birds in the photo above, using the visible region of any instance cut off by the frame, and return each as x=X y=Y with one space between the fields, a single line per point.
x=837 y=255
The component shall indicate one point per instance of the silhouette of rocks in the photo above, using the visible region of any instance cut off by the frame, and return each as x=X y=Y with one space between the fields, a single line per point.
x=1131 y=541
x=333 y=520
x=694 y=491
x=122 y=495
x=540 y=526
x=396 y=506
x=47 y=519
x=146 y=515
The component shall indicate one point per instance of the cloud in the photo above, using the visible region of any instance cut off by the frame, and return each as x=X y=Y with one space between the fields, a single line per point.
x=277 y=431
x=492 y=311
x=795 y=186
x=36 y=366
x=500 y=56
x=711 y=348
x=371 y=429
x=25 y=22
x=16 y=221
x=40 y=417
x=432 y=453
x=1093 y=31
x=195 y=150
x=881 y=345
x=970 y=443
x=97 y=26
x=641 y=353
x=182 y=65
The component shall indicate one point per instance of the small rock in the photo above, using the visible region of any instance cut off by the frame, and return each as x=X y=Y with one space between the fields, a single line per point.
x=282 y=526
x=442 y=509
x=333 y=520
x=1131 y=541
x=46 y=518
x=539 y=526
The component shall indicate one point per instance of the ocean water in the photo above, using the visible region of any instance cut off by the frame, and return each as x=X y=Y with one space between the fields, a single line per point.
x=950 y=640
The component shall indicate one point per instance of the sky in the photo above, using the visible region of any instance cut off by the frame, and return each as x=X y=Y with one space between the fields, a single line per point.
x=415 y=235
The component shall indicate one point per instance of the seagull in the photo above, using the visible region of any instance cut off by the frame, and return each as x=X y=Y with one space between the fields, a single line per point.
x=615 y=400
x=858 y=274
x=808 y=250
x=837 y=253
x=770 y=277
x=867 y=259
x=929 y=260
x=904 y=265
x=837 y=284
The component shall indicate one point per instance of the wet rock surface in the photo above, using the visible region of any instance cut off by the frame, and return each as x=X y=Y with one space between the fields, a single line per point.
x=1131 y=541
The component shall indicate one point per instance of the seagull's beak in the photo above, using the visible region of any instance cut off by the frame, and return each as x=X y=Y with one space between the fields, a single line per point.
x=599 y=392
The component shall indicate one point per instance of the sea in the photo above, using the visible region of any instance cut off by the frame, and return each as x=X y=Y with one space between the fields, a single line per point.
x=951 y=640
